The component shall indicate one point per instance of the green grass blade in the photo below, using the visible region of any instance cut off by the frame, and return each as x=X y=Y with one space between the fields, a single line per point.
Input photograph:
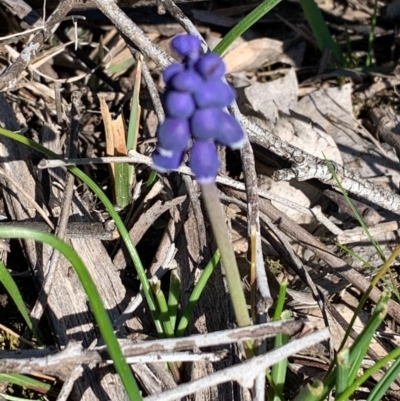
x=281 y=299
x=134 y=118
x=342 y=371
x=245 y=24
x=113 y=214
x=359 y=349
x=173 y=296
x=278 y=373
x=122 y=185
x=162 y=303
x=28 y=382
x=320 y=30
x=13 y=290
x=384 y=383
x=195 y=295
x=395 y=354
x=96 y=304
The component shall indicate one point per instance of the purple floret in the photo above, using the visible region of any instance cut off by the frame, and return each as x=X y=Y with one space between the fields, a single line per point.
x=186 y=45
x=210 y=66
x=204 y=161
x=206 y=123
x=178 y=104
x=172 y=70
x=173 y=136
x=231 y=133
x=163 y=163
x=214 y=93
x=187 y=81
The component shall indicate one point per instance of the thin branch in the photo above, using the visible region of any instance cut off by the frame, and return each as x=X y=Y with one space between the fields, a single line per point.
x=9 y=79
x=64 y=362
x=246 y=372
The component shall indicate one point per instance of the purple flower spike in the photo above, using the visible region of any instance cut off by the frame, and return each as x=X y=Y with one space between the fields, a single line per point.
x=163 y=163
x=186 y=45
x=210 y=66
x=172 y=70
x=204 y=161
x=186 y=81
x=206 y=123
x=214 y=93
x=173 y=136
x=230 y=133
x=179 y=104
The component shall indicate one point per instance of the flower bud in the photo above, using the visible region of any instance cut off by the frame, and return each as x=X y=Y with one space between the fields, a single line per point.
x=187 y=81
x=204 y=161
x=206 y=123
x=178 y=104
x=186 y=45
x=173 y=136
x=172 y=70
x=214 y=93
x=210 y=66
x=230 y=133
x=163 y=163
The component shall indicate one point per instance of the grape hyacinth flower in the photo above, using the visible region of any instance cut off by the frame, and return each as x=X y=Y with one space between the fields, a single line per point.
x=195 y=100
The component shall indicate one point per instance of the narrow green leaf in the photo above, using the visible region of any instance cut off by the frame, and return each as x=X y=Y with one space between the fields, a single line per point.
x=173 y=296
x=122 y=186
x=385 y=382
x=359 y=349
x=28 y=382
x=342 y=373
x=320 y=30
x=395 y=354
x=195 y=295
x=278 y=373
x=162 y=304
x=245 y=24
x=99 y=312
x=13 y=290
x=113 y=214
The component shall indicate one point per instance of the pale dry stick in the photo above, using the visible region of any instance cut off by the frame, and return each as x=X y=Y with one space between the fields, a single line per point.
x=29 y=198
x=317 y=298
x=151 y=87
x=246 y=372
x=358 y=234
x=68 y=384
x=127 y=27
x=186 y=356
x=23 y=11
x=306 y=166
x=135 y=157
x=40 y=305
x=9 y=79
x=62 y=363
x=333 y=228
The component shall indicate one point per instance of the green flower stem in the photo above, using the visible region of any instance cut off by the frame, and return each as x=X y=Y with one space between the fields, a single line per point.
x=113 y=214
x=96 y=304
x=221 y=234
